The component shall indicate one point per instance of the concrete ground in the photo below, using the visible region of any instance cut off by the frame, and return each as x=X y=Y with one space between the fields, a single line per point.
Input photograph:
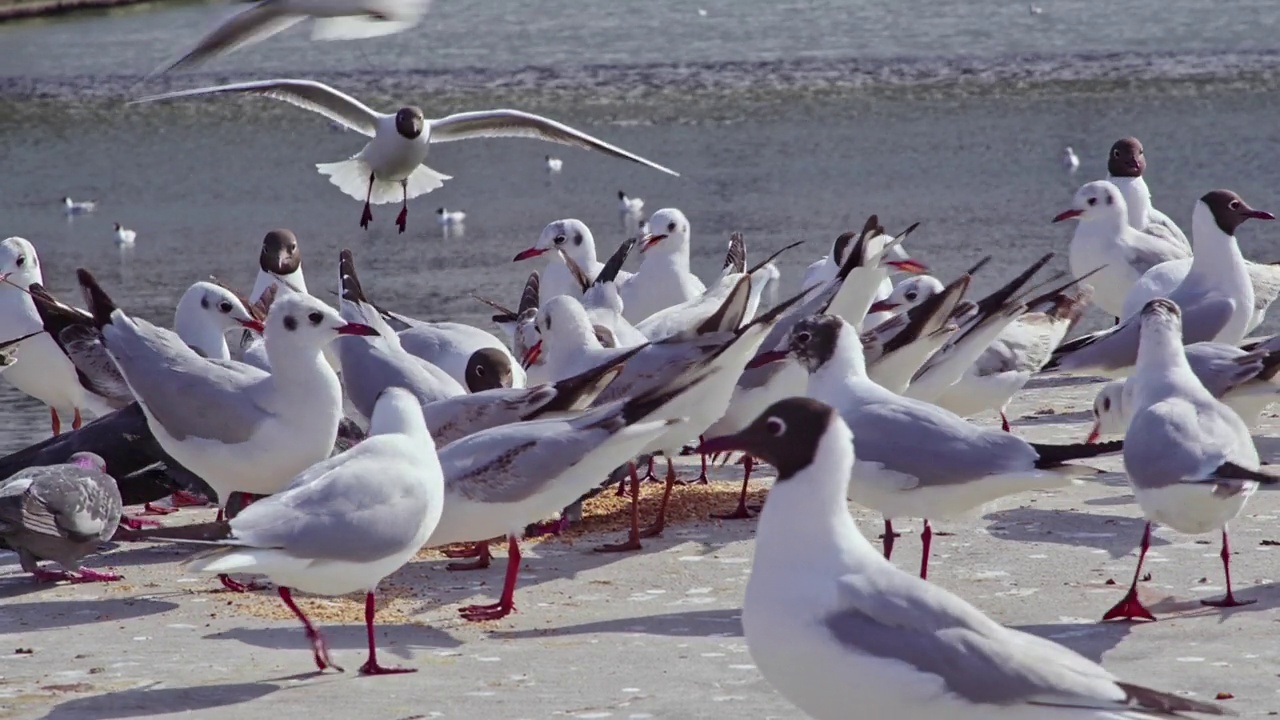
x=654 y=634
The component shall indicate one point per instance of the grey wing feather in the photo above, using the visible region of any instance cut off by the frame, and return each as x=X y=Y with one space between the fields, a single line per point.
x=245 y=28
x=83 y=345
x=1266 y=284
x=1221 y=367
x=1180 y=440
x=1151 y=252
x=1204 y=317
x=515 y=123
x=307 y=94
x=63 y=501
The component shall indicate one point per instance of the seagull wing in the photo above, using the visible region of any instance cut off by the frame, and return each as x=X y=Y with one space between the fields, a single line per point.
x=308 y=94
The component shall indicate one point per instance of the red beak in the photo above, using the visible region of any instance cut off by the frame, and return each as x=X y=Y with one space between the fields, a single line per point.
x=766 y=357
x=1093 y=434
x=356 y=329
x=915 y=267
x=650 y=240
x=530 y=253
x=1067 y=215
x=1260 y=215
x=253 y=325
x=531 y=355
x=882 y=306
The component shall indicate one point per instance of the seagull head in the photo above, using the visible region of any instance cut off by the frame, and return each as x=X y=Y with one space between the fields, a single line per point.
x=668 y=232
x=280 y=253
x=789 y=436
x=410 y=122
x=19 y=263
x=570 y=235
x=306 y=321
x=1097 y=199
x=223 y=308
x=1108 y=412
x=908 y=294
x=1228 y=211
x=1126 y=158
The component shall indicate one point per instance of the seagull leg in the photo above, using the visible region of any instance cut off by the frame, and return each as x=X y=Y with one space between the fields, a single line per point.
x=41 y=575
x=506 y=604
x=319 y=650
x=85 y=575
x=182 y=498
x=649 y=476
x=742 y=513
x=371 y=666
x=403 y=218
x=57 y=424
x=926 y=538
x=480 y=552
x=153 y=509
x=1230 y=600
x=1130 y=607
x=633 y=538
x=888 y=537
x=239 y=587
x=134 y=523
x=1004 y=422
x=366 y=217
x=702 y=477
x=75 y=420
x=550 y=527
x=660 y=524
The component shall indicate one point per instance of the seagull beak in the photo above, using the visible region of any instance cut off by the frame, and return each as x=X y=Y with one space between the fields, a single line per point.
x=356 y=329
x=727 y=443
x=1260 y=215
x=882 y=306
x=1067 y=215
x=1093 y=434
x=530 y=253
x=910 y=265
x=531 y=355
x=766 y=357
x=650 y=240
x=253 y=325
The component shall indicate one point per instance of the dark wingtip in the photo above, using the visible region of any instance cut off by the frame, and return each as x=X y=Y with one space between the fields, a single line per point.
x=609 y=273
x=351 y=290
x=1052 y=456
x=1232 y=471
x=736 y=257
x=978 y=265
x=100 y=304
x=570 y=390
x=529 y=296
x=773 y=257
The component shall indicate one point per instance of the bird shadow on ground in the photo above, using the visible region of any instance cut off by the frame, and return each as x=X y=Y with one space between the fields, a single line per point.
x=150 y=700
x=1119 y=536
x=1092 y=640
x=1039 y=382
x=396 y=640
x=1055 y=418
x=123 y=555
x=55 y=614
x=725 y=622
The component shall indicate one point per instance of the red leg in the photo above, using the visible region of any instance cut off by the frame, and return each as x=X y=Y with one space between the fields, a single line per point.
x=182 y=498
x=150 y=509
x=551 y=527
x=371 y=666
x=85 y=575
x=1130 y=607
x=403 y=218
x=888 y=538
x=649 y=476
x=926 y=538
x=366 y=217
x=1230 y=599
x=742 y=513
x=482 y=558
x=660 y=523
x=239 y=587
x=1004 y=422
x=319 y=650
x=472 y=550
x=702 y=477
x=633 y=538
x=57 y=424
x=506 y=604
x=41 y=575
x=622 y=487
x=221 y=515
x=134 y=523
x=75 y=420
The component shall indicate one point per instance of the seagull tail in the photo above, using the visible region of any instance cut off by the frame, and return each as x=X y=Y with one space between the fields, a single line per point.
x=352 y=177
x=347 y=279
x=357 y=27
x=96 y=298
x=224 y=560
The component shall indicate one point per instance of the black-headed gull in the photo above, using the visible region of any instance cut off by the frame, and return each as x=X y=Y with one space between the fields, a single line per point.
x=124 y=236
x=238 y=428
x=574 y=238
x=335 y=20
x=916 y=459
x=392 y=162
x=629 y=206
x=843 y=633
x=663 y=278
x=43 y=369
x=1070 y=161
x=206 y=312
x=1189 y=457
x=475 y=358
x=1126 y=164
x=450 y=219
x=60 y=513
x=1216 y=296
x=907 y=294
x=345 y=523
x=554 y=164
x=78 y=207
x=1104 y=239
x=279 y=261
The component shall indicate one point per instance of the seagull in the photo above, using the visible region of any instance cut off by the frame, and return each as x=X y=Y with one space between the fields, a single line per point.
x=279 y=263
x=124 y=236
x=574 y=238
x=629 y=206
x=916 y=459
x=345 y=523
x=844 y=629
x=663 y=278
x=335 y=20
x=1126 y=164
x=205 y=313
x=393 y=159
x=1216 y=296
x=43 y=369
x=554 y=164
x=238 y=428
x=60 y=513
x=1189 y=458
x=450 y=219
x=1070 y=161
x=1104 y=239
x=907 y=294
x=81 y=207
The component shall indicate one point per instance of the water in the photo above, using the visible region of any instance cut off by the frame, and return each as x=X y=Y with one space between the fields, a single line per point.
x=787 y=121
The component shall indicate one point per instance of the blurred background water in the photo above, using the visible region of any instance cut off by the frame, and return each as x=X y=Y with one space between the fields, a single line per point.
x=787 y=121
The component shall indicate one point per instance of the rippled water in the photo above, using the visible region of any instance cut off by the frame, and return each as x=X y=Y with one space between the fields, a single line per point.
x=787 y=121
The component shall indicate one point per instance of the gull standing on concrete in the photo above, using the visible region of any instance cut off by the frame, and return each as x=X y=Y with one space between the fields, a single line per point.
x=916 y=459
x=345 y=523
x=1189 y=457
x=1216 y=297
x=1125 y=167
x=843 y=633
x=392 y=162
x=60 y=513
x=663 y=278
x=1103 y=239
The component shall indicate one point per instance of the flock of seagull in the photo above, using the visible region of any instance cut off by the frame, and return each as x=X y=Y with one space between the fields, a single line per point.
x=465 y=436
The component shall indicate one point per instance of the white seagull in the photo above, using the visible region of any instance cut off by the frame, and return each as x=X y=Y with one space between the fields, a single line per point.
x=81 y=207
x=843 y=633
x=554 y=164
x=392 y=162
x=450 y=219
x=1070 y=161
x=663 y=278
x=124 y=236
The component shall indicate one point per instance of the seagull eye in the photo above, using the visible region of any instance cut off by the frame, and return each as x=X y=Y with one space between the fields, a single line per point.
x=1234 y=205
x=803 y=337
x=911 y=296
x=224 y=306
x=1093 y=201
x=480 y=370
x=22 y=260
x=671 y=227
x=775 y=426
x=559 y=239
x=1115 y=153
x=290 y=322
x=315 y=317
x=1106 y=404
